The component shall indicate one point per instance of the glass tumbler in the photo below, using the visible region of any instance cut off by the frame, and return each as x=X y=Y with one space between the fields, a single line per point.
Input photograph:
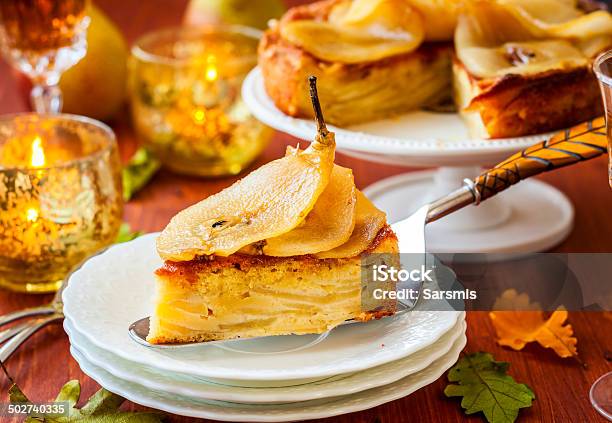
x=186 y=102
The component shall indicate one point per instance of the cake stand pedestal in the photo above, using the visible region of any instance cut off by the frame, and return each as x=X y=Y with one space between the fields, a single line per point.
x=529 y=217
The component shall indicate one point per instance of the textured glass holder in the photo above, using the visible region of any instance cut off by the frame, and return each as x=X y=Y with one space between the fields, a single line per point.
x=186 y=103
x=60 y=197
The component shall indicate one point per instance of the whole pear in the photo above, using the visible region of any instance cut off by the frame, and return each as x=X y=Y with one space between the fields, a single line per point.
x=96 y=85
x=240 y=12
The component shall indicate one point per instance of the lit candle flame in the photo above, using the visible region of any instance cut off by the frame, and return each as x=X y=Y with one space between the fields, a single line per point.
x=199 y=115
x=38 y=154
x=211 y=68
x=32 y=215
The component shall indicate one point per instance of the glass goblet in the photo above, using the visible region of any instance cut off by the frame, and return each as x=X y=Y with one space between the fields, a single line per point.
x=43 y=38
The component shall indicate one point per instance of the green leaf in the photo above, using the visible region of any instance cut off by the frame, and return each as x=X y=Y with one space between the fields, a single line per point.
x=15 y=392
x=16 y=395
x=138 y=172
x=102 y=407
x=122 y=417
x=485 y=386
x=126 y=234
x=102 y=402
x=70 y=392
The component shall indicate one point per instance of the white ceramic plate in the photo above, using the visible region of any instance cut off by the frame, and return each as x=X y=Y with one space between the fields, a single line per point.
x=115 y=288
x=235 y=412
x=412 y=138
x=189 y=386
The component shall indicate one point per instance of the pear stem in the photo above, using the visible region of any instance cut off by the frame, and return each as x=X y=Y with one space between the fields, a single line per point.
x=316 y=105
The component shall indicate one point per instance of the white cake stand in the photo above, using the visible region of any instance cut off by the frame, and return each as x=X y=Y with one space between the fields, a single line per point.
x=530 y=217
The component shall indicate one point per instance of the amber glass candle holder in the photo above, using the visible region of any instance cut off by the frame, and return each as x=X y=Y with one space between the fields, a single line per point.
x=60 y=197
x=186 y=102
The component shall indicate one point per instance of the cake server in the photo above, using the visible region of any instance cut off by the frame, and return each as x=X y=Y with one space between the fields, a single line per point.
x=580 y=143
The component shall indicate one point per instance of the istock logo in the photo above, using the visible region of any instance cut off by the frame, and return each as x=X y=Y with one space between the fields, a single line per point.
x=384 y=273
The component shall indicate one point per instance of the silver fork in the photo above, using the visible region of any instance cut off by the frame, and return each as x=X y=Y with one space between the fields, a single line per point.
x=40 y=316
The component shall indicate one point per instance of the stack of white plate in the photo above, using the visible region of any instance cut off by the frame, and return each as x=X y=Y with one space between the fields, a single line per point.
x=285 y=378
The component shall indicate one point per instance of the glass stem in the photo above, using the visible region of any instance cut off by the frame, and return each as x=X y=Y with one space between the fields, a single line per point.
x=46 y=98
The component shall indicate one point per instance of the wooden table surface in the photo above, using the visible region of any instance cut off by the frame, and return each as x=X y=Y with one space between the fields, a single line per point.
x=43 y=364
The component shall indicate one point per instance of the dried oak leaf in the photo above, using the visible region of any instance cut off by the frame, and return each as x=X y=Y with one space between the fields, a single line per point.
x=515 y=329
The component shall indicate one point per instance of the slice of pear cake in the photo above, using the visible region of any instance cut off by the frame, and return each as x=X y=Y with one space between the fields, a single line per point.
x=279 y=252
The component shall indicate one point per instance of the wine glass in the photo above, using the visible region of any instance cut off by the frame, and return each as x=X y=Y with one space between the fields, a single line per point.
x=601 y=390
x=43 y=38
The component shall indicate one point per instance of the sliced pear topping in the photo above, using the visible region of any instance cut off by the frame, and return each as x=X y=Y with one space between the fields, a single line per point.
x=522 y=58
x=488 y=24
x=591 y=47
x=559 y=18
x=359 y=31
x=592 y=25
x=544 y=12
x=368 y=222
x=496 y=38
x=328 y=225
x=268 y=202
x=440 y=17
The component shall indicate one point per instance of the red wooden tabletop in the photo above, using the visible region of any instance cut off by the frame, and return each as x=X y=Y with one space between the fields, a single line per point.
x=561 y=386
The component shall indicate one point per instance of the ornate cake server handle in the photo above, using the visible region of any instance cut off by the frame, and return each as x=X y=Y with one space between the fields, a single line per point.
x=582 y=142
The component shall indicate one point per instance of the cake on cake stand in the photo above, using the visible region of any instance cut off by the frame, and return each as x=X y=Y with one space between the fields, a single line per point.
x=530 y=217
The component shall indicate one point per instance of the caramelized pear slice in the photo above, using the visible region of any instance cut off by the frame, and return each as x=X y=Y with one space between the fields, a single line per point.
x=491 y=23
x=268 y=202
x=488 y=24
x=328 y=225
x=368 y=222
x=440 y=16
x=591 y=47
x=561 y=19
x=359 y=31
x=516 y=37
x=523 y=58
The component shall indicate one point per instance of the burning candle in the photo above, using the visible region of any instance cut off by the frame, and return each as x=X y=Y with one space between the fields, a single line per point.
x=186 y=101
x=60 y=197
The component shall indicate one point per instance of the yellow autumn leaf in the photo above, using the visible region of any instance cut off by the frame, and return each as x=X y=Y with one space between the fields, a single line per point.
x=515 y=329
x=557 y=335
x=510 y=299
